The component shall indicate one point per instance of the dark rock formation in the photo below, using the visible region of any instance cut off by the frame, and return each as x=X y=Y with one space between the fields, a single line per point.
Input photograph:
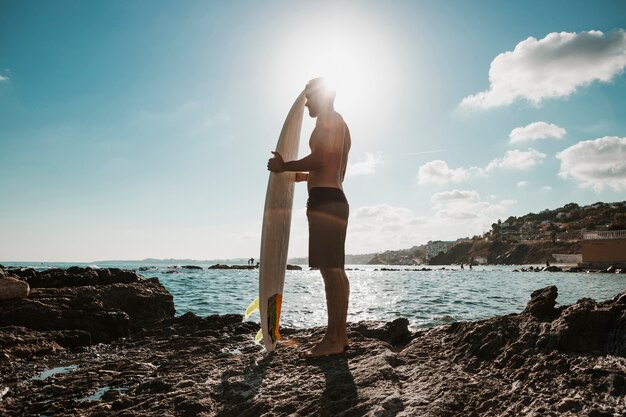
x=222 y=266
x=545 y=361
x=541 y=304
x=104 y=303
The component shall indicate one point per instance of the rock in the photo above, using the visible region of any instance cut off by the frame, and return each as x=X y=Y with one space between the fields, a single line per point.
x=191 y=267
x=121 y=303
x=207 y=366
x=542 y=302
x=77 y=277
x=23 y=272
x=222 y=266
x=395 y=332
x=17 y=341
x=568 y=404
x=12 y=288
x=590 y=327
x=552 y=269
x=146 y=268
x=294 y=268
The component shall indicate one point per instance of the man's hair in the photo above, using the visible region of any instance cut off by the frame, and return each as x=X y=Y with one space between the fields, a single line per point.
x=319 y=85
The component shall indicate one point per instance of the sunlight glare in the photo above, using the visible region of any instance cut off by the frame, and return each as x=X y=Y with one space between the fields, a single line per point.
x=355 y=57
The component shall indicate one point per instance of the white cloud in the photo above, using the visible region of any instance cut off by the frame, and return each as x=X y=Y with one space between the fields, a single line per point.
x=536 y=130
x=546 y=188
x=522 y=184
x=509 y=202
x=596 y=164
x=468 y=213
x=438 y=172
x=554 y=66
x=454 y=195
x=517 y=159
x=382 y=212
x=366 y=167
x=3 y=78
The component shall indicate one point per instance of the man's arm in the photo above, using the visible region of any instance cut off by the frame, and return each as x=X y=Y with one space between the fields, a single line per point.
x=311 y=162
x=315 y=160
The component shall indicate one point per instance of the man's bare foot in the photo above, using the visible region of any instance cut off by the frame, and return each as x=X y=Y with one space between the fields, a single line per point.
x=325 y=347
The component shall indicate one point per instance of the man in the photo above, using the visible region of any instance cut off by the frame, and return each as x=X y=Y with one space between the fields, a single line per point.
x=327 y=208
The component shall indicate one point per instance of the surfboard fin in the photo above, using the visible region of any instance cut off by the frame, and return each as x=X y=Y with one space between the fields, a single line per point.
x=258 y=337
x=254 y=306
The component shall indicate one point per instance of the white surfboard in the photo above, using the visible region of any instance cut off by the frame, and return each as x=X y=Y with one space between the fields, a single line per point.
x=275 y=232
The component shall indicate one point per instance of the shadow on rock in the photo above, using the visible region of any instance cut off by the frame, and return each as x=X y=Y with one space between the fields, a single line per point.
x=340 y=393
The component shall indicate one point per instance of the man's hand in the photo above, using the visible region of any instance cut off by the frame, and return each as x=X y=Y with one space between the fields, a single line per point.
x=276 y=164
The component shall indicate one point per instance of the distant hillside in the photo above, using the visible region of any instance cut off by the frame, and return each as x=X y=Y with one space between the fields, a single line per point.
x=562 y=224
x=534 y=237
x=350 y=259
x=508 y=253
x=528 y=239
x=412 y=256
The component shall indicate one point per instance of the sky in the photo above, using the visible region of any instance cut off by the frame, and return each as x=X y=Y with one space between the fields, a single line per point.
x=136 y=129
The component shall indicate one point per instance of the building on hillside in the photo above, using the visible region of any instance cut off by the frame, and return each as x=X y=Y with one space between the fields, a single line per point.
x=567 y=258
x=434 y=248
x=603 y=248
x=480 y=260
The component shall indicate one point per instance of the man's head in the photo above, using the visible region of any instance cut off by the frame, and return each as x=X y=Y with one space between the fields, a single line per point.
x=319 y=97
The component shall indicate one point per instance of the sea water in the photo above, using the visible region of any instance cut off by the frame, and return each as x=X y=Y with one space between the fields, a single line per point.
x=425 y=298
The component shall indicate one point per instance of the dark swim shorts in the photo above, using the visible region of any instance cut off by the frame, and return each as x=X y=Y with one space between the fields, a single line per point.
x=327 y=211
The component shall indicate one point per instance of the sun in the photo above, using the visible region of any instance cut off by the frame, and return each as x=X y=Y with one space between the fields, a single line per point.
x=355 y=56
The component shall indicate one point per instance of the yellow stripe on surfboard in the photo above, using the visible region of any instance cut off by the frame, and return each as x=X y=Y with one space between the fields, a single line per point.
x=258 y=337
x=254 y=306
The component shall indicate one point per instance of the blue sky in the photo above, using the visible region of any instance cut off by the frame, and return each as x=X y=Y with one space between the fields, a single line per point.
x=141 y=129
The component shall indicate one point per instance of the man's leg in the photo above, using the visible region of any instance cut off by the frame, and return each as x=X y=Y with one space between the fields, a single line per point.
x=337 y=290
x=346 y=300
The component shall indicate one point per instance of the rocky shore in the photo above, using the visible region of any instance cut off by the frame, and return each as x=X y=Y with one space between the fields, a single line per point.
x=106 y=343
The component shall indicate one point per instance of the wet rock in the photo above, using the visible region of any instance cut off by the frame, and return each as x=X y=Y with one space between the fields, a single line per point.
x=294 y=268
x=146 y=268
x=191 y=267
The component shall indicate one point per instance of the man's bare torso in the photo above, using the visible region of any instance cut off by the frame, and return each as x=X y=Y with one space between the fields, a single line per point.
x=332 y=137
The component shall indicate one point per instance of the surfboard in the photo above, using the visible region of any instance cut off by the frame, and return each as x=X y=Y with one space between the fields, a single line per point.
x=275 y=231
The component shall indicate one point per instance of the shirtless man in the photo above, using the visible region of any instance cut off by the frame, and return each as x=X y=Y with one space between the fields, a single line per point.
x=327 y=209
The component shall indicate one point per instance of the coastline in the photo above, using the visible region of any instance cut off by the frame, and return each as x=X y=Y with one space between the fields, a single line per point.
x=543 y=361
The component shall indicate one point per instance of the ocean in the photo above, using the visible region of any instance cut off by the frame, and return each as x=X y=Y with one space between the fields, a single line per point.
x=425 y=298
